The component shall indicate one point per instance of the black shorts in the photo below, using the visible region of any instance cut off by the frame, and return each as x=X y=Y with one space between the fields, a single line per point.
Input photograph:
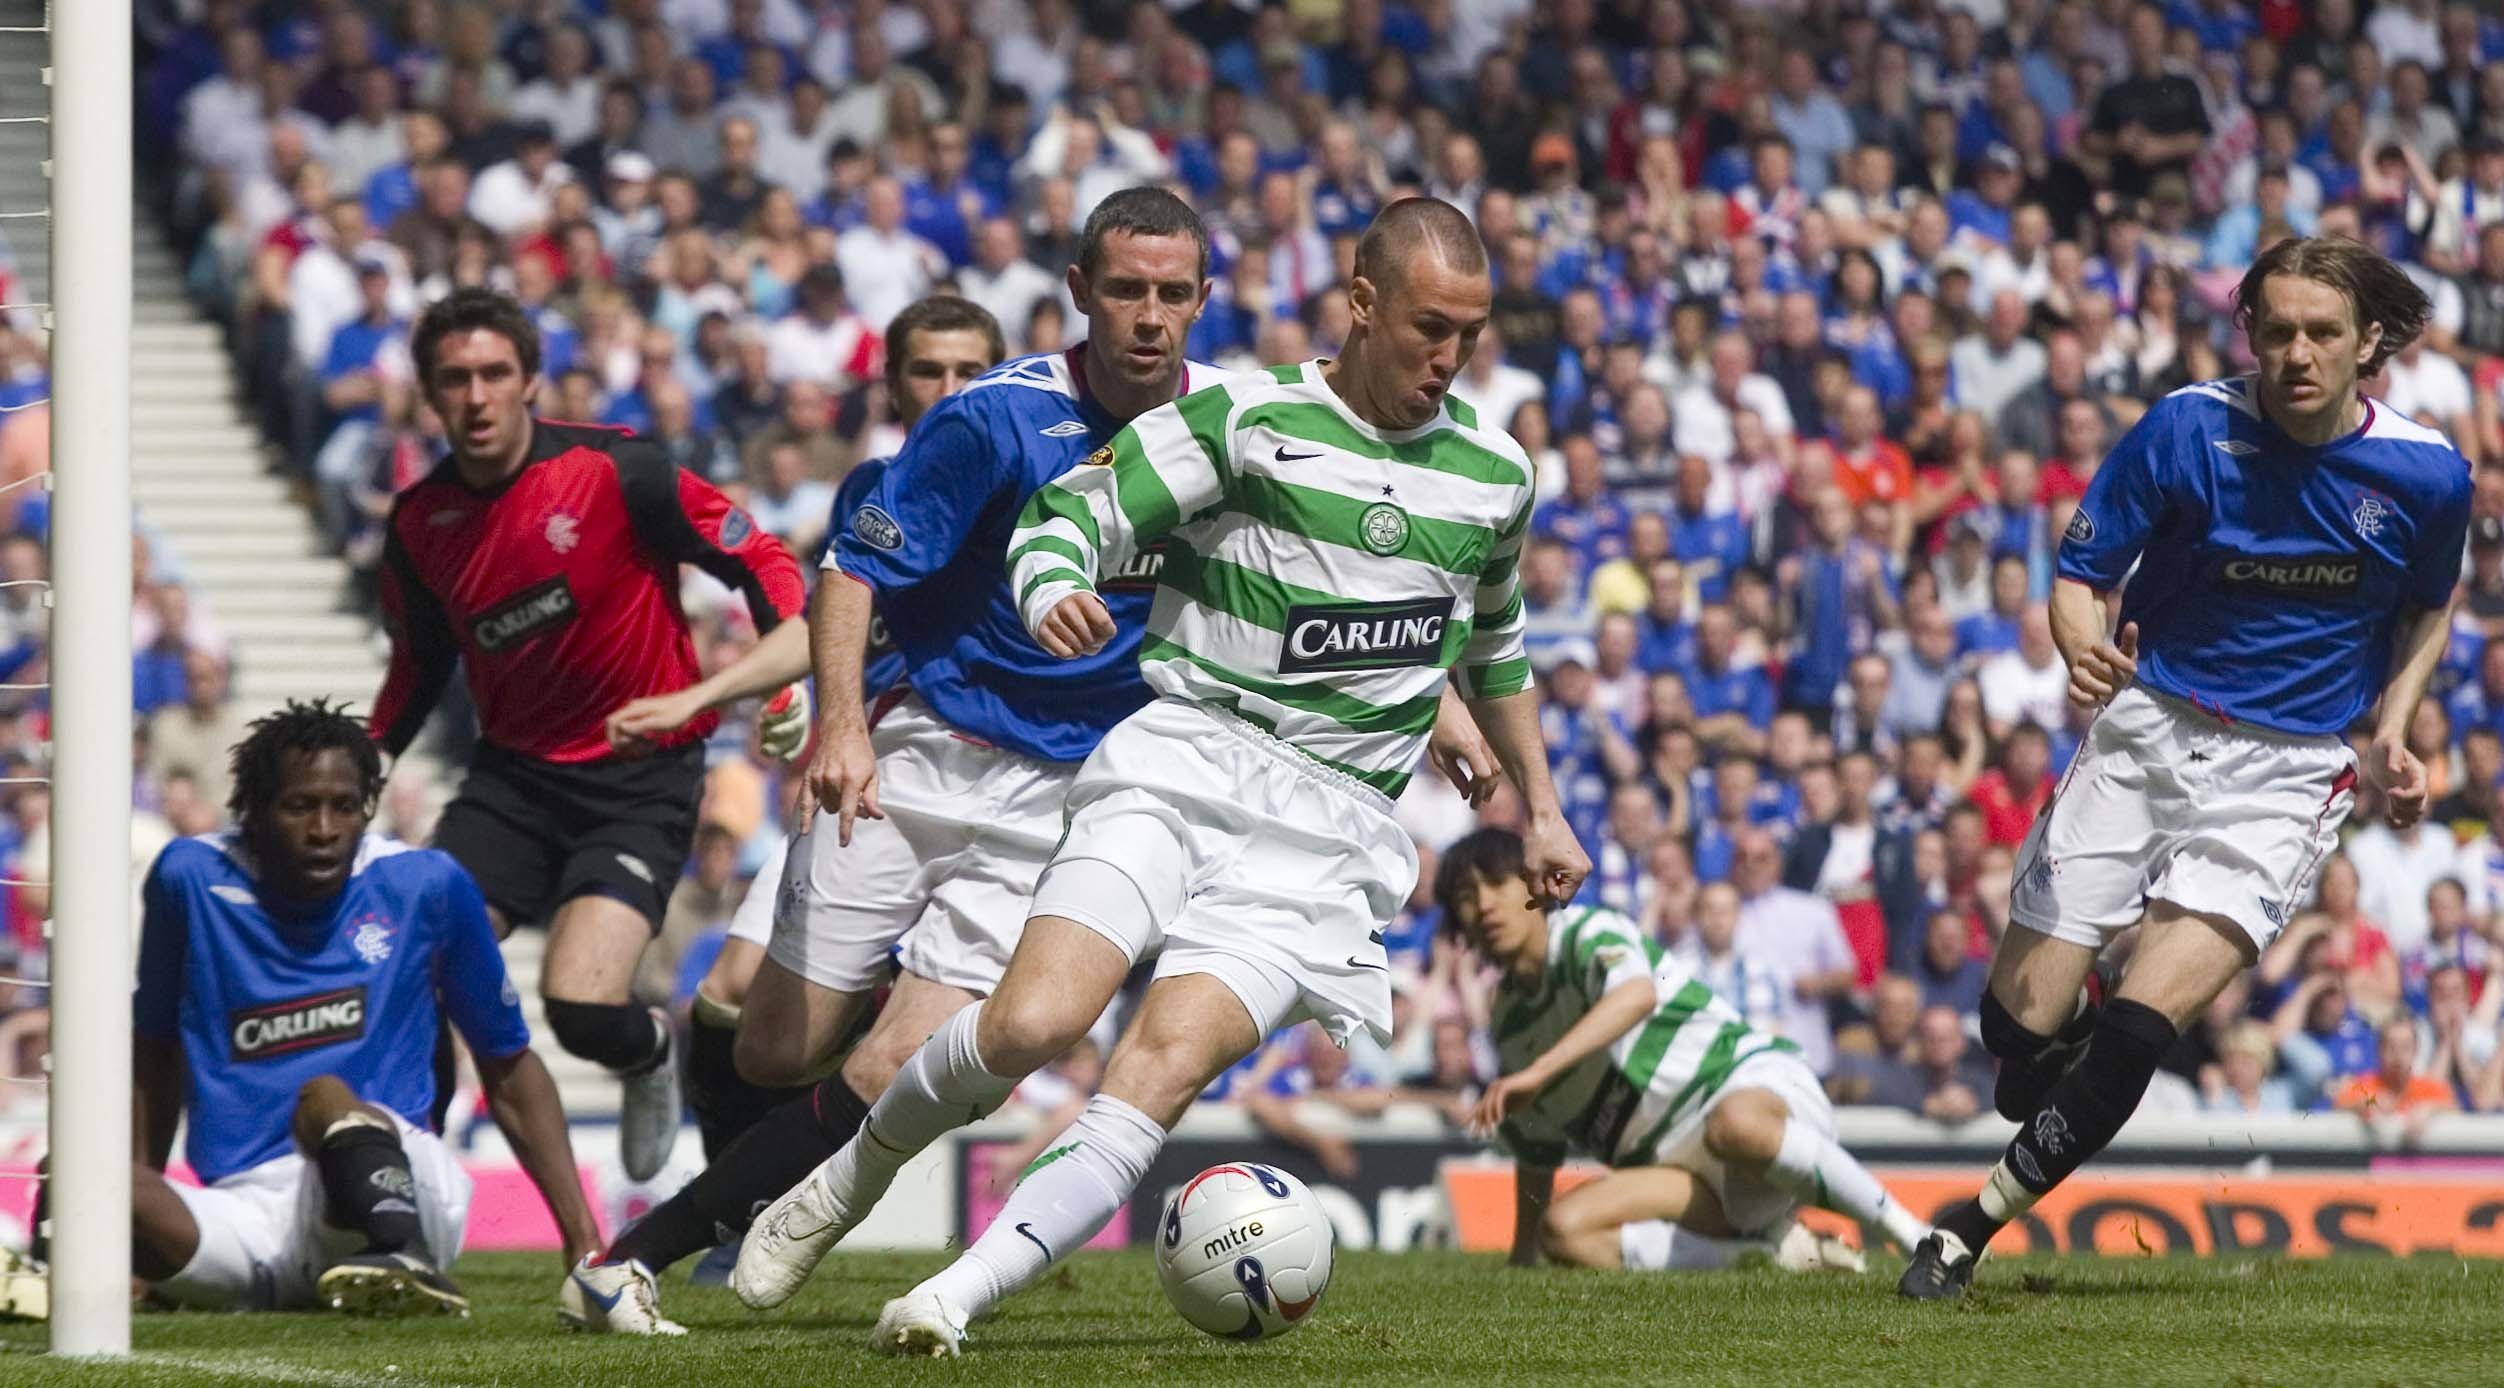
x=537 y=834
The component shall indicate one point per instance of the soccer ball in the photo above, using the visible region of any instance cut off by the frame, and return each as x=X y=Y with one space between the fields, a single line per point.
x=1244 y=1251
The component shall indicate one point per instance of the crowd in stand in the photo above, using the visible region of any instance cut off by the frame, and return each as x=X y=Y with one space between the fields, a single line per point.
x=1817 y=318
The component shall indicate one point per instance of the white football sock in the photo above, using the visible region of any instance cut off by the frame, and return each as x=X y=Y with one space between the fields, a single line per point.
x=942 y=1088
x=1656 y=1245
x=1081 y=1179
x=1816 y=1170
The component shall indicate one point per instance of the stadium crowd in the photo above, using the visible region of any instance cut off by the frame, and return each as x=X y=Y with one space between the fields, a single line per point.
x=1816 y=317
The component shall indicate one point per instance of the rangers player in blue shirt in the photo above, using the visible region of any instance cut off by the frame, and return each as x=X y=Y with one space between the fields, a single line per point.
x=2296 y=548
x=292 y=974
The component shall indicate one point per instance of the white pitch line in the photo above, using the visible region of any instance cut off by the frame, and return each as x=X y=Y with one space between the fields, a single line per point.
x=280 y=1371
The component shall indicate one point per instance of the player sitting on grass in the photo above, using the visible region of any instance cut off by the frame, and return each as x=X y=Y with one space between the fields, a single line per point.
x=292 y=975
x=1716 y=1131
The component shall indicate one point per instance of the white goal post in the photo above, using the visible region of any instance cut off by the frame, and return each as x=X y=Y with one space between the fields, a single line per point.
x=91 y=676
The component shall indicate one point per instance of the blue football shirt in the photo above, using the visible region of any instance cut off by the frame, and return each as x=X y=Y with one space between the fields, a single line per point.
x=265 y=995
x=931 y=540
x=2272 y=575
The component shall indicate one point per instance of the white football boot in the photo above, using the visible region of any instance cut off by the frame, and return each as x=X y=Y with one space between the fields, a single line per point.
x=1802 y=1249
x=613 y=1299
x=787 y=1242
x=919 y=1325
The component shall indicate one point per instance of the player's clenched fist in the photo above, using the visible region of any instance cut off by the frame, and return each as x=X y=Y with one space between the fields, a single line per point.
x=2401 y=778
x=843 y=776
x=1077 y=625
x=1555 y=858
x=2106 y=669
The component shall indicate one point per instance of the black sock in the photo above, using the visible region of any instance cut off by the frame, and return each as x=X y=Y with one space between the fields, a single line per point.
x=725 y=1104
x=620 y=1036
x=2083 y=1111
x=766 y=1160
x=2030 y=1062
x=367 y=1185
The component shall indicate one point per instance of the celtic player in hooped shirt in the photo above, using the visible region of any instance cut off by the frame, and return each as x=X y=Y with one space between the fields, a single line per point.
x=1716 y=1131
x=1339 y=534
x=2296 y=546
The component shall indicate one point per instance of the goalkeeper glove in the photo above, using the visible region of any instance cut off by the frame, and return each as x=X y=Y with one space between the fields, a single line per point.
x=782 y=727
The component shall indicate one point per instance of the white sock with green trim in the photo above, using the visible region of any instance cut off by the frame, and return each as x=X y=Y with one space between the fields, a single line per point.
x=1059 y=1204
x=1814 y=1168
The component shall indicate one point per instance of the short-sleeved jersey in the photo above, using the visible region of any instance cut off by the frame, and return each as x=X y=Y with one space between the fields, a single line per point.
x=1321 y=575
x=556 y=592
x=931 y=538
x=264 y=995
x=1621 y=1101
x=882 y=665
x=2272 y=575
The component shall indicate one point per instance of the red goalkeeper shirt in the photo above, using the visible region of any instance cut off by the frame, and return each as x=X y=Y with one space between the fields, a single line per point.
x=557 y=591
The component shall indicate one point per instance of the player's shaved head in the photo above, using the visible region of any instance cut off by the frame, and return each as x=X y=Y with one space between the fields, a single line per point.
x=1414 y=227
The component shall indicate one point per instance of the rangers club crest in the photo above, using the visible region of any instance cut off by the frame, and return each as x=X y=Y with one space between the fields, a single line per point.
x=371 y=939
x=564 y=532
x=2371 y=511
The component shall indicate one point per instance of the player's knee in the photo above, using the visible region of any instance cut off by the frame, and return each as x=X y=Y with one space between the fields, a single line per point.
x=1558 y=1241
x=873 y=1064
x=617 y=1035
x=1019 y=1033
x=1745 y=1129
x=763 y=1058
x=2006 y=1038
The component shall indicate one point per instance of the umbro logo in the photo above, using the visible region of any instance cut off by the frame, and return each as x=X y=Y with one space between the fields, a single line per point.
x=1286 y=457
x=2237 y=447
x=1066 y=429
x=234 y=895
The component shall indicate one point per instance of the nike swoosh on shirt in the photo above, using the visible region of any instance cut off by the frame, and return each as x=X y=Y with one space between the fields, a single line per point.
x=1286 y=457
x=1356 y=963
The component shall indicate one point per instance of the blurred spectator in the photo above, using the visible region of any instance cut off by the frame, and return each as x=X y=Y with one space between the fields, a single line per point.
x=2395 y=1087
x=1711 y=951
x=1951 y=1081
x=1799 y=936
x=193 y=738
x=2242 y=1081
x=1947 y=970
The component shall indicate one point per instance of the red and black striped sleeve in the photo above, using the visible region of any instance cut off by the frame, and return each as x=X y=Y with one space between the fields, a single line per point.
x=681 y=518
x=424 y=651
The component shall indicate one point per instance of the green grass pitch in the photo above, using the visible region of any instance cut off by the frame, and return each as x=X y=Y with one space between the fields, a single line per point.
x=1422 y=1318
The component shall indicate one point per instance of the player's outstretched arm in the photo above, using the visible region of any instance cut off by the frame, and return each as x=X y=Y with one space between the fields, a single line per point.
x=522 y=1099
x=843 y=776
x=1555 y=858
x=1620 y=1010
x=156 y=1098
x=1533 y=1187
x=778 y=660
x=2394 y=768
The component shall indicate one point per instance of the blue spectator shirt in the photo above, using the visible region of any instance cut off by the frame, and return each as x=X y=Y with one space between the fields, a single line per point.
x=1595 y=529
x=1664 y=647
x=2272 y=576
x=931 y=542
x=1741 y=689
x=1985 y=634
x=931 y=213
x=266 y=995
x=353 y=349
x=1711 y=546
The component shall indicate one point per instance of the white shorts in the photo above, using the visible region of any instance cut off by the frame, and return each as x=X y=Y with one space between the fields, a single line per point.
x=263 y=1243
x=754 y=920
x=1752 y=1204
x=967 y=831
x=2165 y=802
x=1251 y=863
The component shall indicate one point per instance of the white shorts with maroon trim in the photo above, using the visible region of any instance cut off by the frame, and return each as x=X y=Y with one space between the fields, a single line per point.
x=2166 y=802
x=949 y=871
